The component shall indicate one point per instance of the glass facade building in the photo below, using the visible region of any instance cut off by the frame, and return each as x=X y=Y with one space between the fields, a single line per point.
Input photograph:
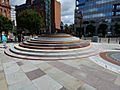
x=97 y=10
x=48 y=14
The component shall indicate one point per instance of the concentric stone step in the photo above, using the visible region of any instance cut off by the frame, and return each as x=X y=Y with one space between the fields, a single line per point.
x=60 y=35
x=52 y=47
x=51 y=56
x=52 y=42
x=52 y=39
x=52 y=51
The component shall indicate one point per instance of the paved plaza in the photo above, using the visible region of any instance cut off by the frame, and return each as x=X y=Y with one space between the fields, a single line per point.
x=88 y=73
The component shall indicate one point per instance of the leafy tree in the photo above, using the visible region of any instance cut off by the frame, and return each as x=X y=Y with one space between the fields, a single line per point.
x=30 y=20
x=5 y=24
x=90 y=29
x=66 y=27
x=71 y=27
x=86 y=22
x=102 y=28
x=92 y=22
x=117 y=28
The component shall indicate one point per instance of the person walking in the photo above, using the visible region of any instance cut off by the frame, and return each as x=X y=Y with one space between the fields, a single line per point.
x=19 y=38
x=4 y=39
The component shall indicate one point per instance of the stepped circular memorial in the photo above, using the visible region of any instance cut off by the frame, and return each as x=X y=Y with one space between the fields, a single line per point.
x=52 y=47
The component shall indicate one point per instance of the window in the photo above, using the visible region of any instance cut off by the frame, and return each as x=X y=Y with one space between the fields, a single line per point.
x=98 y=15
x=118 y=7
x=3 y=1
x=117 y=13
x=0 y=10
x=103 y=1
x=4 y=13
x=98 y=9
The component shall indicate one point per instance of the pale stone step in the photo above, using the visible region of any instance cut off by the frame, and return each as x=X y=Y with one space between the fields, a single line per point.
x=52 y=51
x=42 y=54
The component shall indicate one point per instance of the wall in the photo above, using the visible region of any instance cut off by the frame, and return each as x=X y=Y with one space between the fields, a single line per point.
x=5 y=8
x=57 y=14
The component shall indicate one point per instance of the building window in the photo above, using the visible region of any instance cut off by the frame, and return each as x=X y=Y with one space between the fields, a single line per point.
x=0 y=10
x=4 y=13
x=117 y=13
x=118 y=7
x=7 y=2
x=3 y=1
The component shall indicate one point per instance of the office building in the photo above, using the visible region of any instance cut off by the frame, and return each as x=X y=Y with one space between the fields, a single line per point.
x=99 y=10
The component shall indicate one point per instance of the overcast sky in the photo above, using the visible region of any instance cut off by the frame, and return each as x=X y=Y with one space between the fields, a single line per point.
x=67 y=9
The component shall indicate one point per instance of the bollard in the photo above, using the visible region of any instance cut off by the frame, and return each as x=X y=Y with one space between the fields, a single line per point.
x=108 y=40
x=99 y=40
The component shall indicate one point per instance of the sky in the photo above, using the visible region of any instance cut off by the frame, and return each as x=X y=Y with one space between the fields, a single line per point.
x=67 y=7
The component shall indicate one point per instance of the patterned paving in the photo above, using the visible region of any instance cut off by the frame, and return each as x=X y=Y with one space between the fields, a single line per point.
x=72 y=74
x=113 y=57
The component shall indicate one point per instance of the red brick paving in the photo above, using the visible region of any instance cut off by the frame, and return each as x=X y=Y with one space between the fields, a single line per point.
x=105 y=57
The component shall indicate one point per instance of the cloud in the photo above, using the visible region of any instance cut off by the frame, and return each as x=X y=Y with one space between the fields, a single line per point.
x=67 y=9
x=17 y=2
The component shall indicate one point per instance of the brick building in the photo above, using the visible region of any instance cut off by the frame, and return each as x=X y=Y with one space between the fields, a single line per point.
x=5 y=9
x=48 y=9
x=57 y=15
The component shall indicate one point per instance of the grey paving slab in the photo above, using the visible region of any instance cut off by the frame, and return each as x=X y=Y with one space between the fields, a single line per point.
x=11 y=67
x=22 y=85
x=28 y=67
x=16 y=77
x=95 y=78
x=46 y=83
x=86 y=87
x=63 y=88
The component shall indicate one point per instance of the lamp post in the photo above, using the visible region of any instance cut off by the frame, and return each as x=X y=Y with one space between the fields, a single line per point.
x=85 y=31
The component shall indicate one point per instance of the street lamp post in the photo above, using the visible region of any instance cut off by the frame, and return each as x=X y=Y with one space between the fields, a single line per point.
x=85 y=31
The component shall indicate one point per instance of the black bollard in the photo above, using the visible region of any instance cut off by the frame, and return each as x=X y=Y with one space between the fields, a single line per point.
x=108 y=40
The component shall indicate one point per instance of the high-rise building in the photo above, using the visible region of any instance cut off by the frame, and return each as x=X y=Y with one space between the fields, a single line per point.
x=5 y=9
x=46 y=8
x=99 y=10
x=57 y=15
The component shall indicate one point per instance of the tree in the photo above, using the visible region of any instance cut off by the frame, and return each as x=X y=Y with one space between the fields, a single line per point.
x=90 y=29
x=30 y=20
x=5 y=24
x=71 y=27
x=66 y=27
x=86 y=22
x=117 y=28
x=102 y=29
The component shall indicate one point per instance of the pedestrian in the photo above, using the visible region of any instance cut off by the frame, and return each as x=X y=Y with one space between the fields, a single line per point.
x=19 y=38
x=11 y=36
x=22 y=37
x=4 y=39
